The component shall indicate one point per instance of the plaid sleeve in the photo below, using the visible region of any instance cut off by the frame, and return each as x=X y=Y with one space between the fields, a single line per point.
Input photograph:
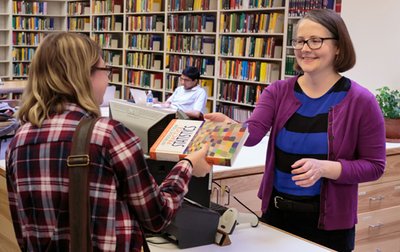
x=13 y=204
x=153 y=205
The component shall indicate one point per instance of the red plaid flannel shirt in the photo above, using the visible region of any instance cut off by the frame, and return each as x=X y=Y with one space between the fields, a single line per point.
x=123 y=194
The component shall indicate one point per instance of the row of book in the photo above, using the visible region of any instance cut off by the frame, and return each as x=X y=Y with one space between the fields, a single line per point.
x=144 y=5
x=33 y=23
x=78 y=24
x=144 y=79
x=239 y=92
x=249 y=4
x=107 y=6
x=289 y=67
x=27 y=38
x=20 y=69
x=108 y=40
x=235 y=112
x=152 y=42
x=27 y=7
x=25 y=53
x=142 y=60
x=112 y=57
x=264 y=72
x=171 y=82
x=78 y=8
x=191 y=44
x=250 y=46
x=176 y=63
x=297 y=8
x=107 y=23
x=145 y=23
x=116 y=75
x=191 y=23
x=189 y=5
x=252 y=22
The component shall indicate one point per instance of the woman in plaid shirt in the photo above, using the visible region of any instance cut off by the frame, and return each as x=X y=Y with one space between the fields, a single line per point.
x=67 y=81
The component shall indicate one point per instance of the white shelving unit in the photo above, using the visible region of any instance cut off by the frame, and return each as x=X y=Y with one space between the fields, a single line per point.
x=130 y=33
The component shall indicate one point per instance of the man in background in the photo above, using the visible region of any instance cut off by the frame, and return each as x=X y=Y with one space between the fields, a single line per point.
x=189 y=97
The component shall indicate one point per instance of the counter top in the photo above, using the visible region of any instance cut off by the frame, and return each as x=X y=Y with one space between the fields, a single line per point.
x=246 y=238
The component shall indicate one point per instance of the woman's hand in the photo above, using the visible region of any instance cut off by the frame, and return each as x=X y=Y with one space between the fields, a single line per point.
x=200 y=165
x=218 y=117
x=307 y=171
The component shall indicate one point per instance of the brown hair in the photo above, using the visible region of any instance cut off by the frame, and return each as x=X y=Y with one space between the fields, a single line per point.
x=346 y=58
x=58 y=74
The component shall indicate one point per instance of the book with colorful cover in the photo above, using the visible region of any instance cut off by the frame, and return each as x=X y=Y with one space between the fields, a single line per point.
x=182 y=137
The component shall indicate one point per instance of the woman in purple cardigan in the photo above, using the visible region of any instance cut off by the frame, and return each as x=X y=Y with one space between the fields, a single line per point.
x=327 y=135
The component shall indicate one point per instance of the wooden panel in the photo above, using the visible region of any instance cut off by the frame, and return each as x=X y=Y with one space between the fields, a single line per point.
x=7 y=237
x=243 y=188
x=376 y=223
x=378 y=196
x=385 y=243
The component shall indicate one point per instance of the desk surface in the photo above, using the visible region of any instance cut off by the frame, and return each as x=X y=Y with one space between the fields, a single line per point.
x=246 y=238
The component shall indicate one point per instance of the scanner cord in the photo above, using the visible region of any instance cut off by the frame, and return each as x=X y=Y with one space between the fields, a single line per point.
x=248 y=209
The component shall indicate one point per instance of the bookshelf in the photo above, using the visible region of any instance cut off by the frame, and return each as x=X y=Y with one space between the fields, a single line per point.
x=30 y=22
x=239 y=46
x=107 y=29
x=144 y=47
x=5 y=42
x=250 y=47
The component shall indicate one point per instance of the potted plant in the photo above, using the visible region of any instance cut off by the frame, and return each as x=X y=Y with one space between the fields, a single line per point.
x=389 y=101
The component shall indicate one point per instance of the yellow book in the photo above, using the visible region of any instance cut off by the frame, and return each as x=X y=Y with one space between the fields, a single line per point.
x=156 y=5
x=138 y=5
x=263 y=71
x=221 y=22
x=207 y=84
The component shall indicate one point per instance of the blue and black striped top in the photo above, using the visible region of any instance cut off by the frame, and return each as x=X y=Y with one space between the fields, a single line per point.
x=305 y=136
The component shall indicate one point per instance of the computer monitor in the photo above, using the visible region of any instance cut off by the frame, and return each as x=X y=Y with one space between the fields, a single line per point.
x=146 y=122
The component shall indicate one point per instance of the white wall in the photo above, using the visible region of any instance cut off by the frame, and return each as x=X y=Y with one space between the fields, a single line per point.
x=374 y=27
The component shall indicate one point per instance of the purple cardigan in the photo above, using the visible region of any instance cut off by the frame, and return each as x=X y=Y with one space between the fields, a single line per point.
x=356 y=138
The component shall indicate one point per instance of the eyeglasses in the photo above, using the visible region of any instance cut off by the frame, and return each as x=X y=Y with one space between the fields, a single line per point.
x=185 y=79
x=313 y=43
x=107 y=68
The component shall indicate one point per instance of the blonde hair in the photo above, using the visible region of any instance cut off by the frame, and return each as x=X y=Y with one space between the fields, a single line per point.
x=58 y=74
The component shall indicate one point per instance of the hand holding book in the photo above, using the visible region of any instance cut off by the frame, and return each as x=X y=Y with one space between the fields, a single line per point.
x=218 y=117
x=200 y=165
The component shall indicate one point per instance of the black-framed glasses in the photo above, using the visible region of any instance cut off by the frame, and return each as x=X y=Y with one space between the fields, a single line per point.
x=106 y=68
x=313 y=43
